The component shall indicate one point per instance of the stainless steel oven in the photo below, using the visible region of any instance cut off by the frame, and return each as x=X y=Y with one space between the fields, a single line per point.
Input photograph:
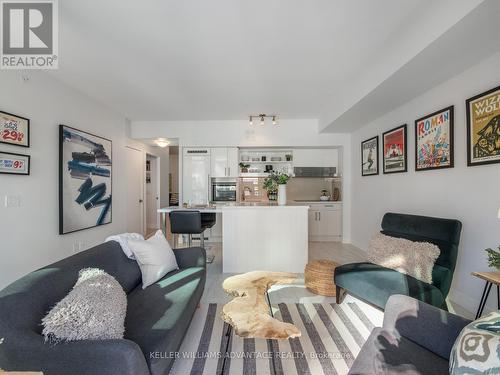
x=224 y=190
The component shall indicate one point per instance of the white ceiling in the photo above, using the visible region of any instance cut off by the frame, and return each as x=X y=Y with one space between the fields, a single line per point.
x=225 y=59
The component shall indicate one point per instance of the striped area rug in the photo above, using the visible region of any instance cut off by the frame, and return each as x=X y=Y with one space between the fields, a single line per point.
x=332 y=336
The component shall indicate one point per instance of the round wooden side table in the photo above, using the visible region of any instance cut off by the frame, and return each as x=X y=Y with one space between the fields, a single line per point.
x=319 y=277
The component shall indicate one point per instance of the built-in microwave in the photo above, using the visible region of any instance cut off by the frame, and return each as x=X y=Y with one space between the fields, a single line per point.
x=224 y=190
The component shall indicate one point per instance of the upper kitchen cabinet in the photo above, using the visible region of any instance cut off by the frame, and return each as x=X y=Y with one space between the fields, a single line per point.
x=316 y=157
x=224 y=162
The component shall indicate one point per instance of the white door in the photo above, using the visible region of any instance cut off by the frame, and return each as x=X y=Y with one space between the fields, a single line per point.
x=218 y=160
x=195 y=178
x=232 y=162
x=135 y=196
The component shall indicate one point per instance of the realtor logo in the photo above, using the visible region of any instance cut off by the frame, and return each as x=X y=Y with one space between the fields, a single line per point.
x=29 y=34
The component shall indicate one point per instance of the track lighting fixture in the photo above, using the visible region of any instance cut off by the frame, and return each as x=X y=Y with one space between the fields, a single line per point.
x=262 y=119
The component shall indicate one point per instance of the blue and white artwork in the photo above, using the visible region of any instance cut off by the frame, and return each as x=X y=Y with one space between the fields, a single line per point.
x=85 y=189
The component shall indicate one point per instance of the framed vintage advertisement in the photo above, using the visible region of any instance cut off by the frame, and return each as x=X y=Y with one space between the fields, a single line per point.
x=483 y=128
x=14 y=163
x=395 y=150
x=85 y=183
x=434 y=140
x=369 y=157
x=14 y=130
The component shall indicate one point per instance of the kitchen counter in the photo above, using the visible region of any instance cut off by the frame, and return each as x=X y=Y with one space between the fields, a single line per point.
x=257 y=236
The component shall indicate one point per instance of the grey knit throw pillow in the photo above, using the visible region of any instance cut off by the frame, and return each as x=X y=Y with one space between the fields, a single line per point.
x=93 y=310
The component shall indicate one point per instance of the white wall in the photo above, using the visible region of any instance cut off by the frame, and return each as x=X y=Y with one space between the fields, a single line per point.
x=29 y=233
x=238 y=133
x=470 y=194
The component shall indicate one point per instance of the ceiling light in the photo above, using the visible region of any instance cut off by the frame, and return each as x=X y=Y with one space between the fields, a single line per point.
x=251 y=120
x=262 y=119
x=274 y=121
x=162 y=142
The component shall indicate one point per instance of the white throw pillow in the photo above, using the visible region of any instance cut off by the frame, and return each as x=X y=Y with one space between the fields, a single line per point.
x=409 y=257
x=155 y=258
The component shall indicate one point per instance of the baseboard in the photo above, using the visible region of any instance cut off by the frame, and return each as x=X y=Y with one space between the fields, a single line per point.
x=471 y=304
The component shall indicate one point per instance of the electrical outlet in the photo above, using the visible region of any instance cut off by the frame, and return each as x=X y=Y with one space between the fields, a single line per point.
x=12 y=201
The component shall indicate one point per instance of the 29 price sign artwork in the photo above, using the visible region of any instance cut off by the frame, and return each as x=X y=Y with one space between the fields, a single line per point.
x=14 y=163
x=14 y=130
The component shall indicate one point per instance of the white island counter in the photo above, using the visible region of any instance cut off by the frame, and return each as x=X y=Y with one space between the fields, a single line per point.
x=262 y=237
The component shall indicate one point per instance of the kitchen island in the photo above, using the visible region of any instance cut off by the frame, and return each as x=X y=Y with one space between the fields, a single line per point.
x=260 y=237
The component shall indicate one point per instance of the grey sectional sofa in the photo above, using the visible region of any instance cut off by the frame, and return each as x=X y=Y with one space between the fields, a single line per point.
x=416 y=338
x=157 y=317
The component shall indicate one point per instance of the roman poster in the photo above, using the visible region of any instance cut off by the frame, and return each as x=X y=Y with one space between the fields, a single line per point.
x=369 y=157
x=434 y=140
x=394 y=149
x=85 y=188
x=483 y=128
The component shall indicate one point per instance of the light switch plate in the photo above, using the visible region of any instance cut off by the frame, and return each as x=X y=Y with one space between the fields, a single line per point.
x=12 y=201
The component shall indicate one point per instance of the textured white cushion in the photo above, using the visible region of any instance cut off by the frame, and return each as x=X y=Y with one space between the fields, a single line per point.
x=155 y=258
x=412 y=258
x=93 y=310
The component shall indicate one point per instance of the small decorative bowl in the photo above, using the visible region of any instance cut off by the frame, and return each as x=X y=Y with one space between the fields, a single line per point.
x=324 y=198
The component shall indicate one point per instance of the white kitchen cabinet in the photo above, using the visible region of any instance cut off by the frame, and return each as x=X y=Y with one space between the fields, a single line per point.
x=215 y=233
x=316 y=157
x=224 y=162
x=325 y=222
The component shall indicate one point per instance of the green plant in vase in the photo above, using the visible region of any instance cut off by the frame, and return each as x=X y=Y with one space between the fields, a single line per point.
x=244 y=167
x=271 y=187
x=494 y=258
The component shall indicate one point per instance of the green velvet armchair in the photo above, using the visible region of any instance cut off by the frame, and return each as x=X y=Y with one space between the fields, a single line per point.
x=375 y=284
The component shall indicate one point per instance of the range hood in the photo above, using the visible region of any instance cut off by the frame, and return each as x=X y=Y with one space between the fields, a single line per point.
x=315 y=171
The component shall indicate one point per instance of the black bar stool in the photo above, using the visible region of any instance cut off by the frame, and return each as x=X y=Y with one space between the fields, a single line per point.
x=190 y=222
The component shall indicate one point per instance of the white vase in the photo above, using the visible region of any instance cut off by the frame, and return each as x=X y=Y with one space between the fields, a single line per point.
x=281 y=195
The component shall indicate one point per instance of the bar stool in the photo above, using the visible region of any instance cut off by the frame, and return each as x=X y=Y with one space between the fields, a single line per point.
x=189 y=222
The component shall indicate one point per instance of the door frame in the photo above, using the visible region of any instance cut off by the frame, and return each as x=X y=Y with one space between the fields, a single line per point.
x=158 y=190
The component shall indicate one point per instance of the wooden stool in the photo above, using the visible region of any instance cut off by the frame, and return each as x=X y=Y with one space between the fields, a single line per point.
x=319 y=277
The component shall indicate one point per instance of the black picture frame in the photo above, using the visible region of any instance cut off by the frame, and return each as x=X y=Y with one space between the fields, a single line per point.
x=61 y=179
x=28 y=157
x=470 y=162
x=27 y=145
x=403 y=127
x=369 y=140
x=451 y=139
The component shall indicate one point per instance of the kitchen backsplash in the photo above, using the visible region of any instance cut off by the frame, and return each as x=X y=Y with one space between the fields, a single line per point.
x=310 y=188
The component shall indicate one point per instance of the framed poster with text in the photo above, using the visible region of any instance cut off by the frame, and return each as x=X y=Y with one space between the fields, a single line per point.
x=14 y=130
x=394 y=149
x=369 y=157
x=483 y=128
x=14 y=163
x=434 y=140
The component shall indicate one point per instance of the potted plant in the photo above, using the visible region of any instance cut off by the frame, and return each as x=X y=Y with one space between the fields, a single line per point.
x=280 y=180
x=288 y=157
x=271 y=187
x=244 y=167
x=494 y=258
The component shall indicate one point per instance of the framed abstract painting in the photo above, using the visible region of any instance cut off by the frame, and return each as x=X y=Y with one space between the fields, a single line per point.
x=395 y=150
x=483 y=128
x=369 y=157
x=85 y=180
x=434 y=140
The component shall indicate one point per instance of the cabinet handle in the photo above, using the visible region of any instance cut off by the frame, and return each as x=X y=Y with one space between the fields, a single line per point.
x=319 y=214
x=228 y=171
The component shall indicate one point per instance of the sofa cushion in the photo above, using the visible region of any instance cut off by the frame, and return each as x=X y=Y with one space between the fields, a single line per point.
x=93 y=310
x=376 y=284
x=477 y=348
x=409 y=257
x=158 y=317
x=383 y=353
